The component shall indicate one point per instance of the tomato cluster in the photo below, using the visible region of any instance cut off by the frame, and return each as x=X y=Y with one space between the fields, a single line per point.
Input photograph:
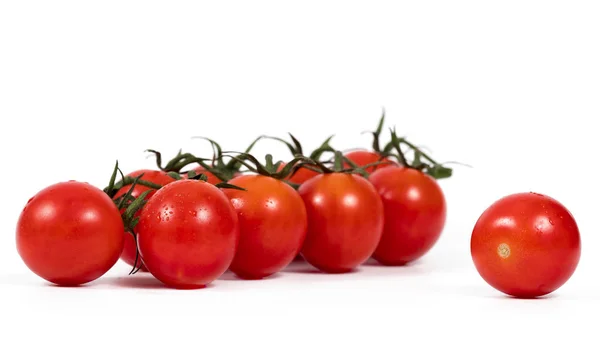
x=187 y=227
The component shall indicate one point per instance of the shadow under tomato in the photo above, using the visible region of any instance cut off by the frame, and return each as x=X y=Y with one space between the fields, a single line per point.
x=484 y=291
x=298 y=259
x=306 y=268
x=144 y=281
x=513 y=298
x=140 y=281
x=230 y=276
x=371 y=262
x=419 y=267
x=86 y=285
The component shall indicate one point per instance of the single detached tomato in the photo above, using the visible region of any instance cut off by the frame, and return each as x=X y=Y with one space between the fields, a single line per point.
x=154 y=176
x=526 y=245
x=272 y=220
x=300 y=176
x=345 y=221
x=362 y=158
x=187 y=234
x=415 y=214
x=70 y=233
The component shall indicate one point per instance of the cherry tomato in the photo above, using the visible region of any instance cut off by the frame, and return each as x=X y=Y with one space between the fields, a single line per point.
x=300 y=176
x=415 y=214
x=187 y=234
x=272 y=220
x=526 y=245
x=70 y=233
x=345 y=221
x=362 y=158
x=154 y=176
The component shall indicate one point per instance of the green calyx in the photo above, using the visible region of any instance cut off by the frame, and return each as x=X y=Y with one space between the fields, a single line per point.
x=224 y=171
x=339 y=162
x=269 y=168
x=175 y=166
x=421 y=161
x=127 y=204
x=295 y=147
x=394 y=149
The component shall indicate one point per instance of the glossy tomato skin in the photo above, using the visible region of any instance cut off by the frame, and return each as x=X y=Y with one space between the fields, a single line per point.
x=155 y=176
x=70 y=233
x=362 y=158
x=345 y=221
x=415 y=214
x=526 y=245
x=273 y=222
x=187 y=234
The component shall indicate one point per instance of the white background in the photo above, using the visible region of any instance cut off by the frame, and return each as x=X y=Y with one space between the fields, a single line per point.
x=509 y=87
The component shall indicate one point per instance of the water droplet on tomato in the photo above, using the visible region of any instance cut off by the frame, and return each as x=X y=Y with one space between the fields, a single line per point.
x=167 y=218
x=158 y=217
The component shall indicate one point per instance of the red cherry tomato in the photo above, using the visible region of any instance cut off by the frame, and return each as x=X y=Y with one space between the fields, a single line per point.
x=70 y=233
x=526 y=245
x=415 y=214
x=154 y=176
x=362 y=158
x=272 y=220
x=187 y=234
x=345 y=221
x=300 y=176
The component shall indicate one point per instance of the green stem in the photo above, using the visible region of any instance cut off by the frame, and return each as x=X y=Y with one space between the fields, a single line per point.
x=417 y=150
